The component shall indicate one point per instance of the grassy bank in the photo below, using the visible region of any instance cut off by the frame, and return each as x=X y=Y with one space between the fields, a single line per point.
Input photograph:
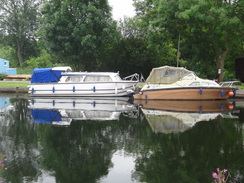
x=13 y=84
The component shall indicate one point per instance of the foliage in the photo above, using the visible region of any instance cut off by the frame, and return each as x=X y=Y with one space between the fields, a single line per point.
x=44 y=60
x=208 y=30
x=130 y=53
x=18 y=21
x=24 y=70
x=2 y=76
x=3 y=161
x=86 y=36
x=82 y=34
x=8 y=53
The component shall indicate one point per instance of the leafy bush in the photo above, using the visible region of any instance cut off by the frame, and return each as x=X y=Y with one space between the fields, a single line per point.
x=25 y=70
x=44 y=60
x=2 y=76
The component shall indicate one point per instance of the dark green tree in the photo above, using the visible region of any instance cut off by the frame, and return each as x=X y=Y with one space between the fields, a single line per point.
x=130 y=53
x=209 y=30
x=78 y=32
x=18 y=24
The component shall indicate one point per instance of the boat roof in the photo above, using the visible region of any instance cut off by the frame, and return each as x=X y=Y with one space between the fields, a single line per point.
x=45 y=75
x=62 y=68
x=90 y=74
x=167 y=74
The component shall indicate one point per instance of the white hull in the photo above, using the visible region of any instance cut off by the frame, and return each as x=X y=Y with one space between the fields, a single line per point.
x=98 y=89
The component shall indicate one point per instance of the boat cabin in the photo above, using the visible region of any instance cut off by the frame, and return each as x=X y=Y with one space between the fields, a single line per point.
x=176 y=77
x=90 y=77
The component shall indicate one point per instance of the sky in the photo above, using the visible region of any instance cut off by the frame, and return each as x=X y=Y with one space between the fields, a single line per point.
x=121 y=8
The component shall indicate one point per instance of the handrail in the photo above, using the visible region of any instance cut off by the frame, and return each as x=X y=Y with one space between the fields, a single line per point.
x=228 y=83
x=132 y=77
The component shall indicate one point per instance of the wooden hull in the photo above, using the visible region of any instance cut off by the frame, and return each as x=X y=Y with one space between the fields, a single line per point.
x=203 y=93
x=88 y=89
x=200 y=106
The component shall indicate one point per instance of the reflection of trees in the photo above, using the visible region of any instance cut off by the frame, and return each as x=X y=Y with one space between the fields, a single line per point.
x=192 y=156
x=78 y=153
x=82 y=152
x=19 y=142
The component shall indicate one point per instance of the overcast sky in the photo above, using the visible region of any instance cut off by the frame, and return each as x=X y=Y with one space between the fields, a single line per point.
x=122 y=8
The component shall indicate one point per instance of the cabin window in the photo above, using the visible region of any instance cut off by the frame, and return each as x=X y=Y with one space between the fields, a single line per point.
x=195 y=84
x=67 y=79
x=76 y=79
x=208 y=84
x=97 y=78
x=117 y=77
x=73 y=79
x=170 y=73
x=5 y=63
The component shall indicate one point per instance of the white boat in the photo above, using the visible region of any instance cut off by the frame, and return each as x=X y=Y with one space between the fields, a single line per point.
x=62 y=82
x=61 y=111
x=178 y=83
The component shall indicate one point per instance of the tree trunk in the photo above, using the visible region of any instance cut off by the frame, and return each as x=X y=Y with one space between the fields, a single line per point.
x=19 y=52
x=221 y=64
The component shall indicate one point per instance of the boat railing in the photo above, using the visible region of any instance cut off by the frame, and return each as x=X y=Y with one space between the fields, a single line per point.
x=228 y=83
x=133 y=77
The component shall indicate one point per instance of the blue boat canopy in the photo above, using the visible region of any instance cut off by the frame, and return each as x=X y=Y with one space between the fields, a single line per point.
x=45 y=116
x=47 y=75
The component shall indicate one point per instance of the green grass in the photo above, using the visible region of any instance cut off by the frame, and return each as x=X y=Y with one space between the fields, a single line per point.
x=13 y=84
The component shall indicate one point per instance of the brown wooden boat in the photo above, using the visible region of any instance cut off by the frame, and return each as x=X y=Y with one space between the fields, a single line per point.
x=177 y=83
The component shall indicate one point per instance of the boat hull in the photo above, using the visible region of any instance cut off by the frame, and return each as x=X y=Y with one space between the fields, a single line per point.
x=101 y=89
x=201 y=93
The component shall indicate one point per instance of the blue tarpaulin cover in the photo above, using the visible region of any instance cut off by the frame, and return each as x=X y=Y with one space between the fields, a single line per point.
x=45 y=75
x=45 y=116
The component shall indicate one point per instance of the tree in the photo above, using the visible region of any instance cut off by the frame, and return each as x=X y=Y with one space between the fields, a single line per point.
x=157 y=37
x=18 y=23
x=213 y=27
x=78 y=32
x=208 y=30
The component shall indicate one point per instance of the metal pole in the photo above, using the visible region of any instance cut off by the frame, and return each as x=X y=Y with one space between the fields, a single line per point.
x=178 y=52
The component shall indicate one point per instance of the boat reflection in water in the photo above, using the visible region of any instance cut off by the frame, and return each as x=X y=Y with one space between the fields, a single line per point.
x=177 y=116
x=61 y=111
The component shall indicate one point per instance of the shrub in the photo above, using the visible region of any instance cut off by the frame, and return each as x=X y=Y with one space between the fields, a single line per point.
x=2 y=76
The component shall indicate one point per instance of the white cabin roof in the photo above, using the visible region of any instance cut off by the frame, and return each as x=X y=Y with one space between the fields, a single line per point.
x=112 y=74
x=62 y=68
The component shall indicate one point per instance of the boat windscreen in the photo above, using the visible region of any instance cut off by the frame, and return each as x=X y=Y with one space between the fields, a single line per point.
x=167 y=75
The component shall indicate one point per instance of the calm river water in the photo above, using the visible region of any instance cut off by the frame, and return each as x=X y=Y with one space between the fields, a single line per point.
x=116 y=141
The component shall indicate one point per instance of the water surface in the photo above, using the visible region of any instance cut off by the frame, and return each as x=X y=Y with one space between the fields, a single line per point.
x=98 y=141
